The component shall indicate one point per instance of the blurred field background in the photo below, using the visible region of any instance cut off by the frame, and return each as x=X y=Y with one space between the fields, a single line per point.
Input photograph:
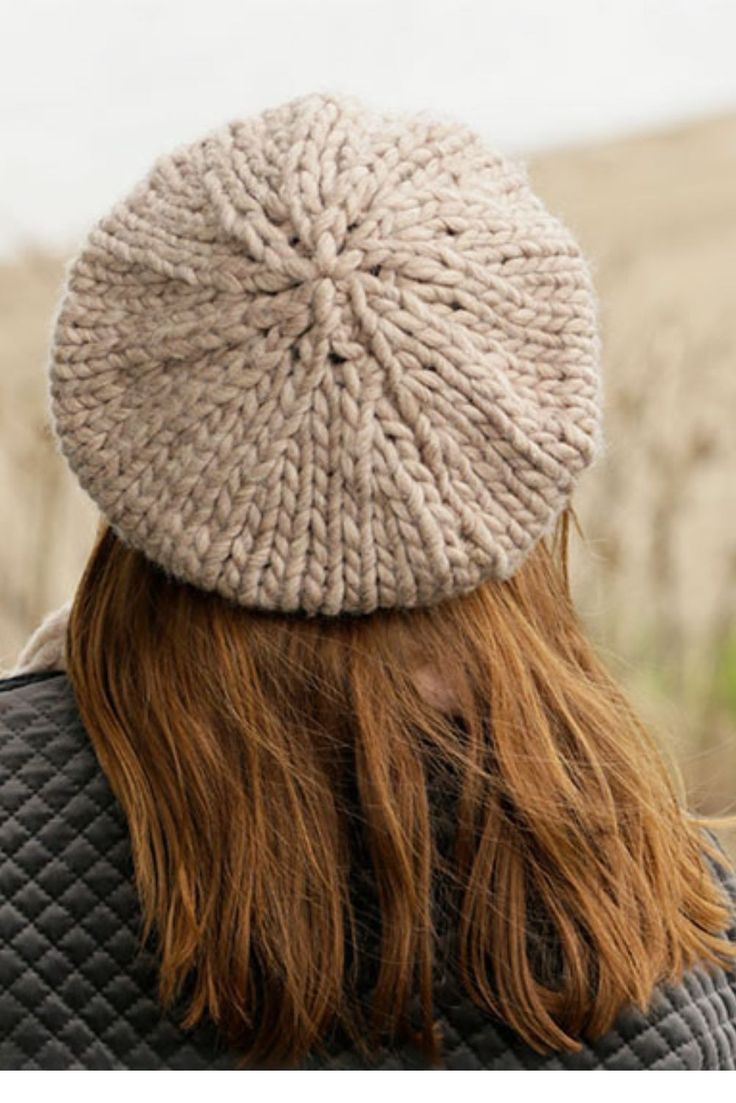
x=656 y=576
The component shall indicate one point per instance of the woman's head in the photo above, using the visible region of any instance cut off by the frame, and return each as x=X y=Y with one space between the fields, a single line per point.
x=331 y=376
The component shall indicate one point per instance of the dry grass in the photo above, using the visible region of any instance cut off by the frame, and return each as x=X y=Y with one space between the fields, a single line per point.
x=657 y=215
x=657 y=580
x=49 y=520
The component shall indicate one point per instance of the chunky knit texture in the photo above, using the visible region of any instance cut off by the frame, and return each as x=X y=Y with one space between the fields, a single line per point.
x=327 y=359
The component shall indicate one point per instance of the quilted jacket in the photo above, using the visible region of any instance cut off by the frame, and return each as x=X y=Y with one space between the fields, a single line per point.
x=76 y=992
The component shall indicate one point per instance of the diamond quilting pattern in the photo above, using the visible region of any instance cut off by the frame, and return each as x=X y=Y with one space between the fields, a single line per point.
x=77 y=992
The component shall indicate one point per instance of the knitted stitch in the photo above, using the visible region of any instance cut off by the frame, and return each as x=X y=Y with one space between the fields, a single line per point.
x=327 y=359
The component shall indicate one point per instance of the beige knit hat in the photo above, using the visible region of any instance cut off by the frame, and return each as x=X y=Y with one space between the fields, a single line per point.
x=328 y=359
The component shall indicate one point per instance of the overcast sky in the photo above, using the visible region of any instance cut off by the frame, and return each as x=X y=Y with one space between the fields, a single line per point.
x=91 y=91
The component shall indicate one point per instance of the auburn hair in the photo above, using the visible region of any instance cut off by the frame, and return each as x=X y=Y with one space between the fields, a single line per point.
x=263 y=759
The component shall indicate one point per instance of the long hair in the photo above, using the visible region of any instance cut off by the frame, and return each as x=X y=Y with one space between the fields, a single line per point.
x=264 y=760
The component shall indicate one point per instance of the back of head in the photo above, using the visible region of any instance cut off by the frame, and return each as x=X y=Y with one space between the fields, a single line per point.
x=331 y=376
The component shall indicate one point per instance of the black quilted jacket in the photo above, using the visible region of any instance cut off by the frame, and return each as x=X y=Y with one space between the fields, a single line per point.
x=75 y=993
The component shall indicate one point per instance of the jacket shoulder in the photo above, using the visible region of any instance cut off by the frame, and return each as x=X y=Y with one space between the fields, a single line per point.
x=44 y=748
x=77 y=988
x=55 y=800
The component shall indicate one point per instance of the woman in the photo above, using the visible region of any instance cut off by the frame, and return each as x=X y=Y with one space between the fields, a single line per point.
x=319 y=768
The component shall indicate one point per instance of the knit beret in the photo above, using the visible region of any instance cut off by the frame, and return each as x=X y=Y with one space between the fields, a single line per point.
x=329 y=359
